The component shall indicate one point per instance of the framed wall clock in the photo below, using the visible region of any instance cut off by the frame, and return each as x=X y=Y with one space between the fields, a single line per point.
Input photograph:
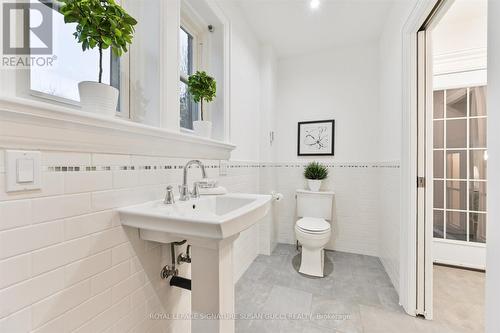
x=316 y=138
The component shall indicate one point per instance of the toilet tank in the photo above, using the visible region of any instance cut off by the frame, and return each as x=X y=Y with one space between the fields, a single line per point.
x=314 y=204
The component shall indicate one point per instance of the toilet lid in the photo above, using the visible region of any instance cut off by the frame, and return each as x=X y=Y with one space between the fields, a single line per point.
x=313 y=224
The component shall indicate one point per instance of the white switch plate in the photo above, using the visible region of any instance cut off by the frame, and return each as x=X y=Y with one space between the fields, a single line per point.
x=23 y=170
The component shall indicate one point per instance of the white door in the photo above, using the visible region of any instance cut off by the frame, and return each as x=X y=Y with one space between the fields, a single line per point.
x=424 y=173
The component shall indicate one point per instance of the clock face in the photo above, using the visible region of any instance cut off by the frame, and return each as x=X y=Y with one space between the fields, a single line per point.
x=316 y=138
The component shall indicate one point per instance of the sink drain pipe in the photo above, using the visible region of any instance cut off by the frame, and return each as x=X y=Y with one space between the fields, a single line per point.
x=172 y=271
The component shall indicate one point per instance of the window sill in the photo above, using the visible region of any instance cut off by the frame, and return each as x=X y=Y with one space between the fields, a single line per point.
x=31 y=124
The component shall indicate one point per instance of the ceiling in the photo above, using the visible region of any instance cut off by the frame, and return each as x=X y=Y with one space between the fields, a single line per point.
x=465 y=10
x=462 y=28
x=292 y=27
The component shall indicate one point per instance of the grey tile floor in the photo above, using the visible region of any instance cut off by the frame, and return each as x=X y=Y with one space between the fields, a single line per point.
x=356 y=296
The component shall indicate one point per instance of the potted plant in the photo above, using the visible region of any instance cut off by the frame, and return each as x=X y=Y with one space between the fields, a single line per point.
x=100 y=24
x=203 y=88
x=315 y=173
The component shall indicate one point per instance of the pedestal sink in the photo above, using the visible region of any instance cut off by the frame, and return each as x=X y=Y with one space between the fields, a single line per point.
x=210 y=224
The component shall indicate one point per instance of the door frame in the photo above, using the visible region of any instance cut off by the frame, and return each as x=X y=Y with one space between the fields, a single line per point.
x=411 y=290
x=424 y=174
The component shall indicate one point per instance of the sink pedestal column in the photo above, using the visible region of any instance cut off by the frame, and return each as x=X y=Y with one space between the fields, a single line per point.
x=212 y=286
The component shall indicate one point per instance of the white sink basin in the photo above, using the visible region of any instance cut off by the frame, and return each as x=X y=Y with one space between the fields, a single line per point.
x=210 y=224
x=211 y=217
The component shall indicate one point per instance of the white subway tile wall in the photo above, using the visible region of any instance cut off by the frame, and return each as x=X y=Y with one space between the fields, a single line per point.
x=356 y=207
x=59 y=207
x=2 y=161
x=390 y=201
x=66 y=158
x=52 y=184
x=59 y=303
x=67 y=264
x=78 y=182
x=33 y=237
x=15 y=269
x=15 y=214
x=60 y=254
x=110 y=159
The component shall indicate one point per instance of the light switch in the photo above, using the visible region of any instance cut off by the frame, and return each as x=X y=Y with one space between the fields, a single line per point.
x=23 y=170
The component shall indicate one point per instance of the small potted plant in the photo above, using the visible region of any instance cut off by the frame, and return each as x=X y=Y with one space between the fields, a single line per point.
x=100 y=24
x=203 y=88
x=315 y=173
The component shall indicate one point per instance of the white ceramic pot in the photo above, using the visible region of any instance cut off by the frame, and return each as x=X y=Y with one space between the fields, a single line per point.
x=98 y=97
x=314 y=184
x=202 y=128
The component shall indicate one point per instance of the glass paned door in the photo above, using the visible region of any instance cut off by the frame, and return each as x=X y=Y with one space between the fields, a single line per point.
x=460 y=160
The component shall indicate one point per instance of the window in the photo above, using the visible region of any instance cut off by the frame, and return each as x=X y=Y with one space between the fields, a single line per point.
x=188 y=108
x=460 y=157
x=72 y=65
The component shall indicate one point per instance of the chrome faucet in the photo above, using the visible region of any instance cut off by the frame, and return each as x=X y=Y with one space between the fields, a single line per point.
x=184 y=194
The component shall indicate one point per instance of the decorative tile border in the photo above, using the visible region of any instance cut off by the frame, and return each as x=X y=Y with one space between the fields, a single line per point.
x=349 y=165
x=230 y=165
x=119 y=167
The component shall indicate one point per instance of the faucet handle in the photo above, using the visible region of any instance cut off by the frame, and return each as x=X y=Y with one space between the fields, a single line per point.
x=169 y=197
x=195 y=193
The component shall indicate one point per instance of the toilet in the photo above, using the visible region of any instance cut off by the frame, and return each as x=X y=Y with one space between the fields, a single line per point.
x=313 y=229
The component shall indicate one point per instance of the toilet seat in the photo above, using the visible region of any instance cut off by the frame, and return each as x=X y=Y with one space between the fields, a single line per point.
x=313 y=225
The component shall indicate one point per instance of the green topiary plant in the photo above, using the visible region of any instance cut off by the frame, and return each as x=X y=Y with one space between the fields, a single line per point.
x=315 y=171
x=202 y=87
x=101 y=24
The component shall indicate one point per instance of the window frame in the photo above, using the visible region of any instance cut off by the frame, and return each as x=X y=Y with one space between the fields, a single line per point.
x=193 y=25
x=24 y=85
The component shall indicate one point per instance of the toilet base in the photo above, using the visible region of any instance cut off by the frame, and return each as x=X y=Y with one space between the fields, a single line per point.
x=312 y=262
